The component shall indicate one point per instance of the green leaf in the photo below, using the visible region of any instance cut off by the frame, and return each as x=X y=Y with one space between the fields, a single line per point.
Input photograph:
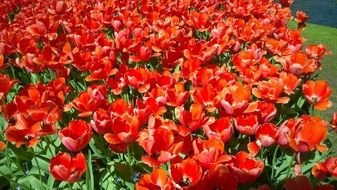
x=20 y=153
x=2 y=122
x=89 y=175
x=51 y=181
x=124 y=171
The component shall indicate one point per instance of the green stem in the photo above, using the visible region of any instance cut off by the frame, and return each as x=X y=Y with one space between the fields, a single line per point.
x=49 y=141
x=273 y=162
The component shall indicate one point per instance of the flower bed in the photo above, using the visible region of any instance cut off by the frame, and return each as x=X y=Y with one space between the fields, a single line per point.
x=161 y=95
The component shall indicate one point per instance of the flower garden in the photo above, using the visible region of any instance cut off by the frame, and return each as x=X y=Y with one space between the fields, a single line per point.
x=188 y=94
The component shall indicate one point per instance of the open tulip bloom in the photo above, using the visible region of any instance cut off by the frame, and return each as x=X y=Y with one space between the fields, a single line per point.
x=187 y=95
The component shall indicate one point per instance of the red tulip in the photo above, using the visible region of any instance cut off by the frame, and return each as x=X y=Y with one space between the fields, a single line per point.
x=291 y=82
x=76 y=135
x=123 y=132
x=88 y=102
x=158 y=179
x=63 y=167
x=266 y=111
x=265 y=136
x=5 y=85
x=220 y=177
x=101 y=121
x=246 y=124
x=209 y=152
x=187 y=173
x=177 y=95
x=221 y=129
x=319 y=170
x=207 y=97
x=331 y=166
x=246 y=168
x=139 y=79
x=299 y=182
x=271 y=91
x=144 y=53
x=24 y=131
x=194 y=119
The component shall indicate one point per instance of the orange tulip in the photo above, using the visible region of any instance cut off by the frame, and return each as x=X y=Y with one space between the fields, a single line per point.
x=158 y=179
x=298 y=133
x=187 y=173
x=2 y=146
x=317 y=93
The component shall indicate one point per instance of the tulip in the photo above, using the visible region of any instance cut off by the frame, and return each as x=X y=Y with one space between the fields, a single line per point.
x=76 y=135
x=158 y=179
x=63 y=167
x=246 y=168
x=5 y=85
x=2 y=146
x=317 y=93
x=298 y=133
x=186 y=173
x=220 y=177
x=246 y=124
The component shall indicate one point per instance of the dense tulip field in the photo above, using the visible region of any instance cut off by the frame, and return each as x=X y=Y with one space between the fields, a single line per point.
x=162 y=94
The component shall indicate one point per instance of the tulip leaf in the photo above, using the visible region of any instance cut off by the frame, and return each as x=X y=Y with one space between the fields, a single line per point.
x=2 y=122
x=20 y=153
x=89 y=175
x=51 y=181
x=124 y=171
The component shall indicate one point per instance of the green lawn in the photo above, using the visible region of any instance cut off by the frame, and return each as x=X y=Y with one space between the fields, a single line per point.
x=318 y=34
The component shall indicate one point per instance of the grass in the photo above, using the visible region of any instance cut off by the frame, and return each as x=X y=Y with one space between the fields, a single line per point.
x=318 y=34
